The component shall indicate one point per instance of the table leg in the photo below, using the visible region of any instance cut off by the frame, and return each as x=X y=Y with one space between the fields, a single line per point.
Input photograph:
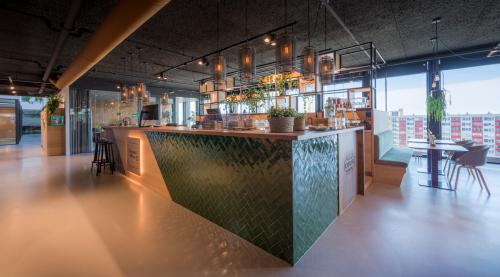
x=433 y=157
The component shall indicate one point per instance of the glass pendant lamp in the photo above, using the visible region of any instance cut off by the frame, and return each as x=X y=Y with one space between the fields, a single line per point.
x=247 y=63
x=326 y=70
x=326 y=65
x=285 y=53
x=247 y=55
x=145 y=97
x=141 y=88
x=219 y=70
x=132 y=92
x=124 y=94
x=285 y=50
x=309 y=57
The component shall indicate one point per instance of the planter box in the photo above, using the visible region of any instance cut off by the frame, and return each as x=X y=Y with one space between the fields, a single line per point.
x=299 y=124
x=281 y=124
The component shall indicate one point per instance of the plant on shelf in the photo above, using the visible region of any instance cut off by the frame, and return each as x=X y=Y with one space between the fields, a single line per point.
x=281 y=120
x=280 y=84
x=254 y=98
x=53 y=103
x=436 y=105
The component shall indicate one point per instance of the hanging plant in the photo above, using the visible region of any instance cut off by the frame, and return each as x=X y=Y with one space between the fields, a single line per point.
x=436 y=106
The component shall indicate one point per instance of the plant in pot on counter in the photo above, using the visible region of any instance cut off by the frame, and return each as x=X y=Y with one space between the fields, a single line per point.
x=281 y=120
x=299 y=123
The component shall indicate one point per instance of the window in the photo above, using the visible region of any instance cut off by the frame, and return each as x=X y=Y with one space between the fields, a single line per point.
x=406 y=104
x=473 y=103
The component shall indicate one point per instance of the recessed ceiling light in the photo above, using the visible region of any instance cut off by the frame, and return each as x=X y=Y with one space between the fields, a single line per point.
x=12 y=87
x=14 y=92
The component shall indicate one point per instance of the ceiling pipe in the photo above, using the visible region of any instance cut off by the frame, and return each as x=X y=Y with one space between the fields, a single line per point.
x=124 y=19
x=342 y=23
x=63 y=35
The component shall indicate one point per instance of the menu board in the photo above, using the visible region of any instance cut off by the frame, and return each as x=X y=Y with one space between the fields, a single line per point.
x=134 y=155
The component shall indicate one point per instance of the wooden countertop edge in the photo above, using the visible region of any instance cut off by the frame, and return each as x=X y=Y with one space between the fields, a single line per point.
x=252 y=134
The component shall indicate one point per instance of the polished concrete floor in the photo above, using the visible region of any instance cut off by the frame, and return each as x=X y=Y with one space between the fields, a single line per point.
x=56 y=219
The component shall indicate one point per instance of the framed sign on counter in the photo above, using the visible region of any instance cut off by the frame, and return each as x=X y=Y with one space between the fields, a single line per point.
x=134 y=155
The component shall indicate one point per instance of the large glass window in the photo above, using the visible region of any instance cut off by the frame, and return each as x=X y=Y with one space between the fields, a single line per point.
x=406 y=97
x=473 y=106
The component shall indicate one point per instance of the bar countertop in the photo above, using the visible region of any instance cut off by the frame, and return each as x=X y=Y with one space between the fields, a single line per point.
x=252 y=133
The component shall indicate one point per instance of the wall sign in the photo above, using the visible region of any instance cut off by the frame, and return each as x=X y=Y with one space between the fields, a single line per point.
x=134 y=155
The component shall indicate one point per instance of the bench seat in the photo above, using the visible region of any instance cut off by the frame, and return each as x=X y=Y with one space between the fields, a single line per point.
x=390 y=162
x=397 y=156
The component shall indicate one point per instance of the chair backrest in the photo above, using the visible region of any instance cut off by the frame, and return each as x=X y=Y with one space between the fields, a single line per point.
x=465 y=143
x=476 y=156
x=383 y=143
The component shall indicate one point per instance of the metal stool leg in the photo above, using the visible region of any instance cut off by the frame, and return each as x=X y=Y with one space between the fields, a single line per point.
x=111 y=158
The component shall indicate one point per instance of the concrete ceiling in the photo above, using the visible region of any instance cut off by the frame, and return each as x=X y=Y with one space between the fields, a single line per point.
x=187 y=28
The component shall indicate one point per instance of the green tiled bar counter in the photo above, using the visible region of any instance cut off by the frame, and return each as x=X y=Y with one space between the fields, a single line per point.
x=279 y=192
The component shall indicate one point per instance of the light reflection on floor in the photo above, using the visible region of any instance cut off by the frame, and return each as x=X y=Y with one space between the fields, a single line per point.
x=59 y=220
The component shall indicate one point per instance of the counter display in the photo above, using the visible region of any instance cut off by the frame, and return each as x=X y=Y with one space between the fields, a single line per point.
x=278 y=191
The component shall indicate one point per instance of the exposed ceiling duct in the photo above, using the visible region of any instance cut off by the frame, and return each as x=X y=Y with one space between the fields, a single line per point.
x=124 y=19
x=67 y=27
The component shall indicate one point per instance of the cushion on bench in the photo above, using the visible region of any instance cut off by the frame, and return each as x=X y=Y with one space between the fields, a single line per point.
x=385 y=153
x=397 y=156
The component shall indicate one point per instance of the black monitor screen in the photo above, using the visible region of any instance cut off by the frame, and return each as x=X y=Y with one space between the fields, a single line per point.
x=150 y=112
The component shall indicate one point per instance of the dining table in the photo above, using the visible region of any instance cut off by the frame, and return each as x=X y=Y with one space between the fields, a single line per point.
x=433 y=158
x=438 y=141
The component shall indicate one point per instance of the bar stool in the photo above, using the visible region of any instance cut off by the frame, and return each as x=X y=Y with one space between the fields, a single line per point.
x=103 y=156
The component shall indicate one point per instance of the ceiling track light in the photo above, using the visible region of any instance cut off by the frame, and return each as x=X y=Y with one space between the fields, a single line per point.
x=203 y=61
x=162 y=77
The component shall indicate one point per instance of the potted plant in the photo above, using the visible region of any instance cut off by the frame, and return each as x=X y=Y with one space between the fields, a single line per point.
x=53 y=103
x=299 y=123
x=281 y=120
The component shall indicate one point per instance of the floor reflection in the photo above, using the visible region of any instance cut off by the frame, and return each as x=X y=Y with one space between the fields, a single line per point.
x=58 y=219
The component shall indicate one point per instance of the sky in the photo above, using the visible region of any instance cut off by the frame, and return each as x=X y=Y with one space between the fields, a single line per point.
x=474 y=90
